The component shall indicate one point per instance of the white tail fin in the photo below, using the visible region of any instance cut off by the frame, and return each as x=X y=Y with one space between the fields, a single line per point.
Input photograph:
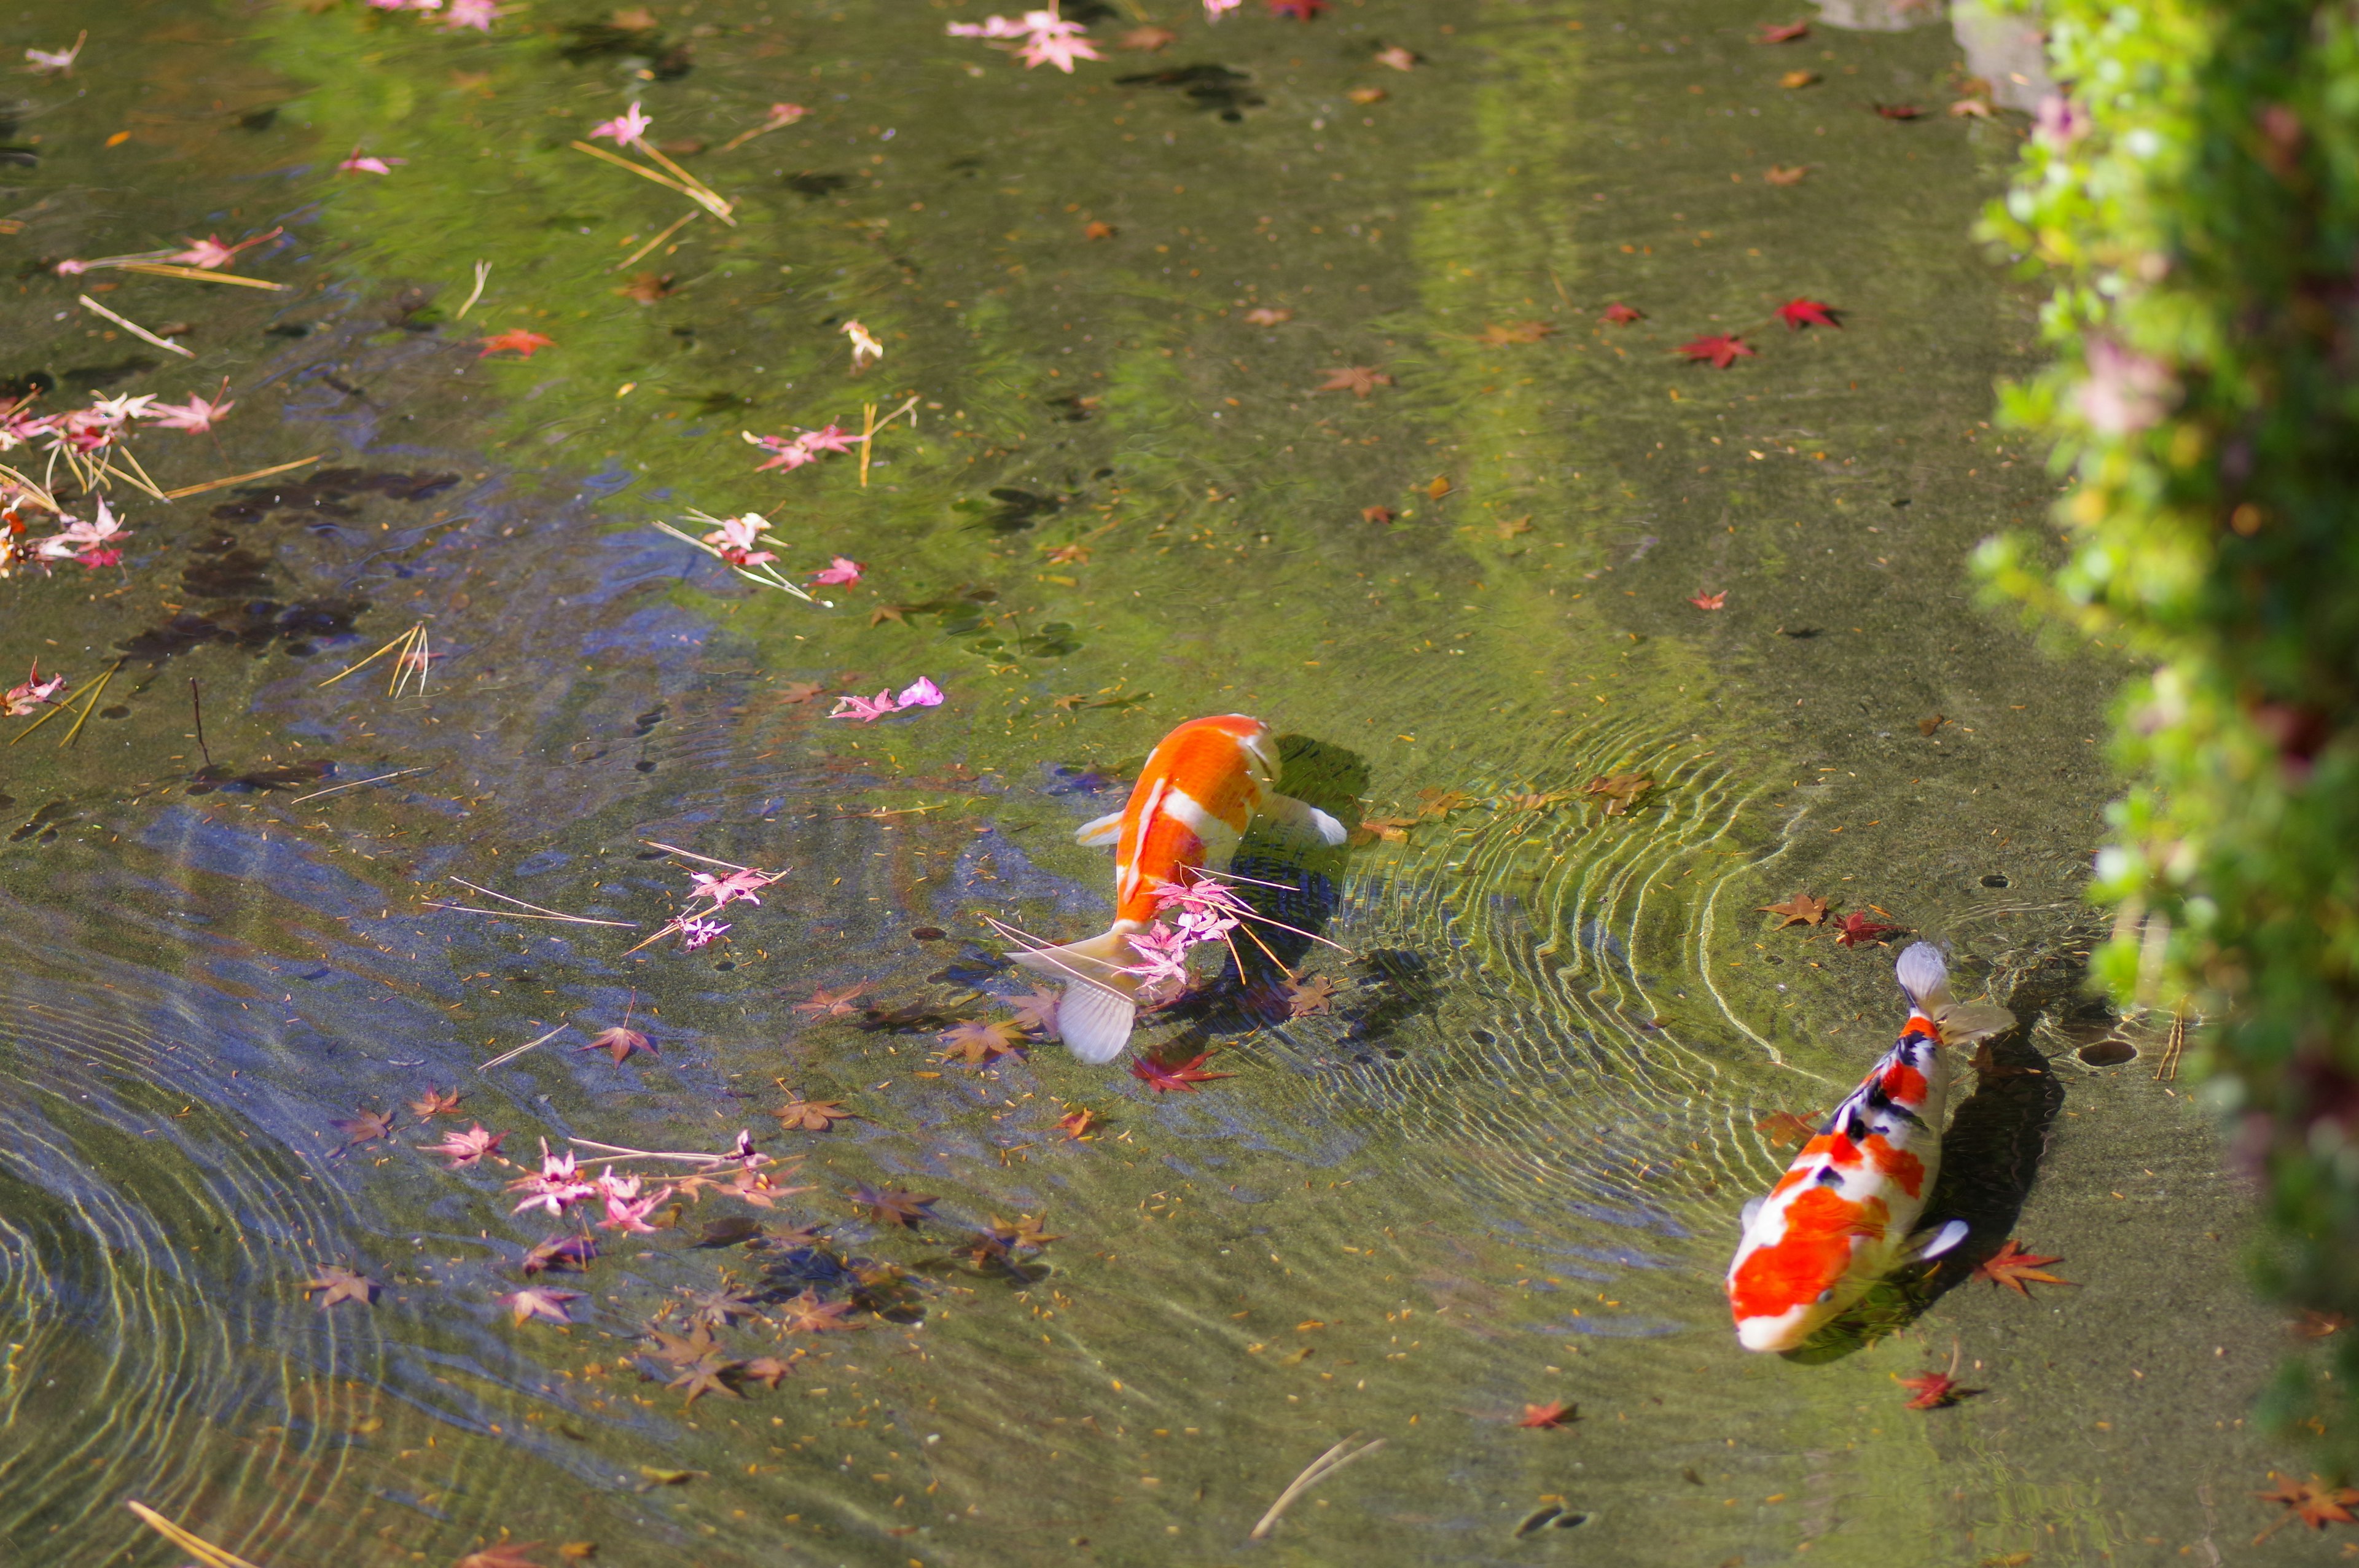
x=1925 y=977
x=1099 y=1004
x=1101 y=834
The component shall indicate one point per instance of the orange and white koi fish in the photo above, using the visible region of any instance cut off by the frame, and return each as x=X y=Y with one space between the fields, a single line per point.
x=1204 y=785
x=1842 y=1217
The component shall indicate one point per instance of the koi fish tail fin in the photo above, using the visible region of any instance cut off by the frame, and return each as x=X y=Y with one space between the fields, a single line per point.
x=1925 y=977
x=1100 y=1001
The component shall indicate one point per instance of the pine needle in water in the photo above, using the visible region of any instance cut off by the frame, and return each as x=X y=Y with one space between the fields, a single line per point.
x=203 y=1551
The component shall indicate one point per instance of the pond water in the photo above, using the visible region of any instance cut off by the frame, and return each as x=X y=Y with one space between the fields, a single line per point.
x=1498 y=1166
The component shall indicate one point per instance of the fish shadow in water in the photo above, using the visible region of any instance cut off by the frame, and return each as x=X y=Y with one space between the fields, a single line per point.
x=1293 y=887
x=1990 y=1156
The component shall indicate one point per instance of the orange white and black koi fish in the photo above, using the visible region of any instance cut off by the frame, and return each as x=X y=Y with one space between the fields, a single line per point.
x=1204 y=785
x=1843 y=1216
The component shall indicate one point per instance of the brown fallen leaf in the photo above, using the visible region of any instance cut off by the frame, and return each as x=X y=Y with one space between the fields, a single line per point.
x=1898 y=111
x=1077 y=1125
x=1357 y=380
x=1781 y=1127
x=1439 y=803
x=1499 y=334
x=2313 y=1502
x=1800 y=910
x=1619 y=791
x=1927 y=726
x=1510 y=526
x=1398 y=58
x=2013 y=1264
x=633 y=19
x=978 y=1043
x=1391 y=829
x=1099 y=230
x=1375 y=514
x=813 y=1115
x=1437 y=486
x=1067 y=554
x=1147 y=40
x=1798 y=78
x=647 y=287
x=798 y=691
x=1785 y=173
x=1367 y=95
x=1268 y=316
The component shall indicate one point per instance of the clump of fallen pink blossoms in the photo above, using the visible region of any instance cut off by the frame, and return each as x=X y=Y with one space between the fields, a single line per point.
x=921 y=693
x=738 y=543
x=453 y=14
x=1049 y=39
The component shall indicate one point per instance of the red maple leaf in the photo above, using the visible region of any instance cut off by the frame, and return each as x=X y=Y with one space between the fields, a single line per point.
x=1897 y=111
x=620 y=1044
x=1301 y=10
x=1723 y=348
x=1933 y=1391
x=2011 y=1266
x=1185 y=1077
x=1622 y=315
x=2313 y=1502
x=522 y=341
x=1554 y=1413
x=1704 y=601
x=1855 y=928
x=1800 y=313
x=1781 y=32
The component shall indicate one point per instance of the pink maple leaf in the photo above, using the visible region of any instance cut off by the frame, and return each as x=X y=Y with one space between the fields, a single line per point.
x=724 y=891
x=921 y=693
x=842 y=570
x=868 y=711
x=539 y=1301
x=829 y=439
x=365 y=163
x=197 y=416
x=27 y=695
x=210 y=253
x=476 y=14
x=467 y=1148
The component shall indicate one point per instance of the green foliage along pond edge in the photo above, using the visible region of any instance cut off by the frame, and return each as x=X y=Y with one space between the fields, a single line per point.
x=2193 y=199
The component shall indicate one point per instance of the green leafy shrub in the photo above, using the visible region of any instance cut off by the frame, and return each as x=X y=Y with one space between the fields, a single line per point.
x=2193 y=199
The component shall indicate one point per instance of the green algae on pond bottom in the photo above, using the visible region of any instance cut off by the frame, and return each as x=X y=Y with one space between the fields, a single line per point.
x=1504 y=1168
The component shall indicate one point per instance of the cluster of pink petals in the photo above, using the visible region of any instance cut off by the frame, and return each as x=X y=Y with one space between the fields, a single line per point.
x=920 y=693
x=477 y=14
x=28 y=695
x=1049 y=39
x=107 y=419
x=733 y=540
x=841 y=572
x=626 y=129
x=1208 y=910
x=725 y=891
x=365 y=163
x=94 y=542
x=782 y=116
x=210 y=253
x=695 y=934
x=557 y=1187
x=1215 y=10
x=791 y=452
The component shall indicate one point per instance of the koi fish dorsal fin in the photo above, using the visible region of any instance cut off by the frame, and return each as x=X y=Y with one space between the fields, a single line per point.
x=1928 y=1245
x=1102 y=834
x=1302 y=818
x=1925 y=977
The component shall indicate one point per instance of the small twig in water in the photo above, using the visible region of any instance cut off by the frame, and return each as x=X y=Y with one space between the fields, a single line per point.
x=203 y=1551
x=1326 y=1465
x=724 y=865
x=401 y=642
x=197 y=707
x=134 y=328
x=670 y=229
x=188 y=489
x=91 y=705
x=520 y=1050
x=483 y=271
x=332 y=789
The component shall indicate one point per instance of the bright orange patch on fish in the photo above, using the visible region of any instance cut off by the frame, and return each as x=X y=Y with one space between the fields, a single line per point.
x=1810 y=1258
x=1205 y=776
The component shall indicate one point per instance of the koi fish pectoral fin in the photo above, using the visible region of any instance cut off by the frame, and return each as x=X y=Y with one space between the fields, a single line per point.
x=1752 y=1212
x=1926 y=1246
x=1102 y=834
x=1302 y=819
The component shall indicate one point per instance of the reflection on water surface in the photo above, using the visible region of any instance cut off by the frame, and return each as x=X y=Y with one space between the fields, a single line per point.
x=1252 y=373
